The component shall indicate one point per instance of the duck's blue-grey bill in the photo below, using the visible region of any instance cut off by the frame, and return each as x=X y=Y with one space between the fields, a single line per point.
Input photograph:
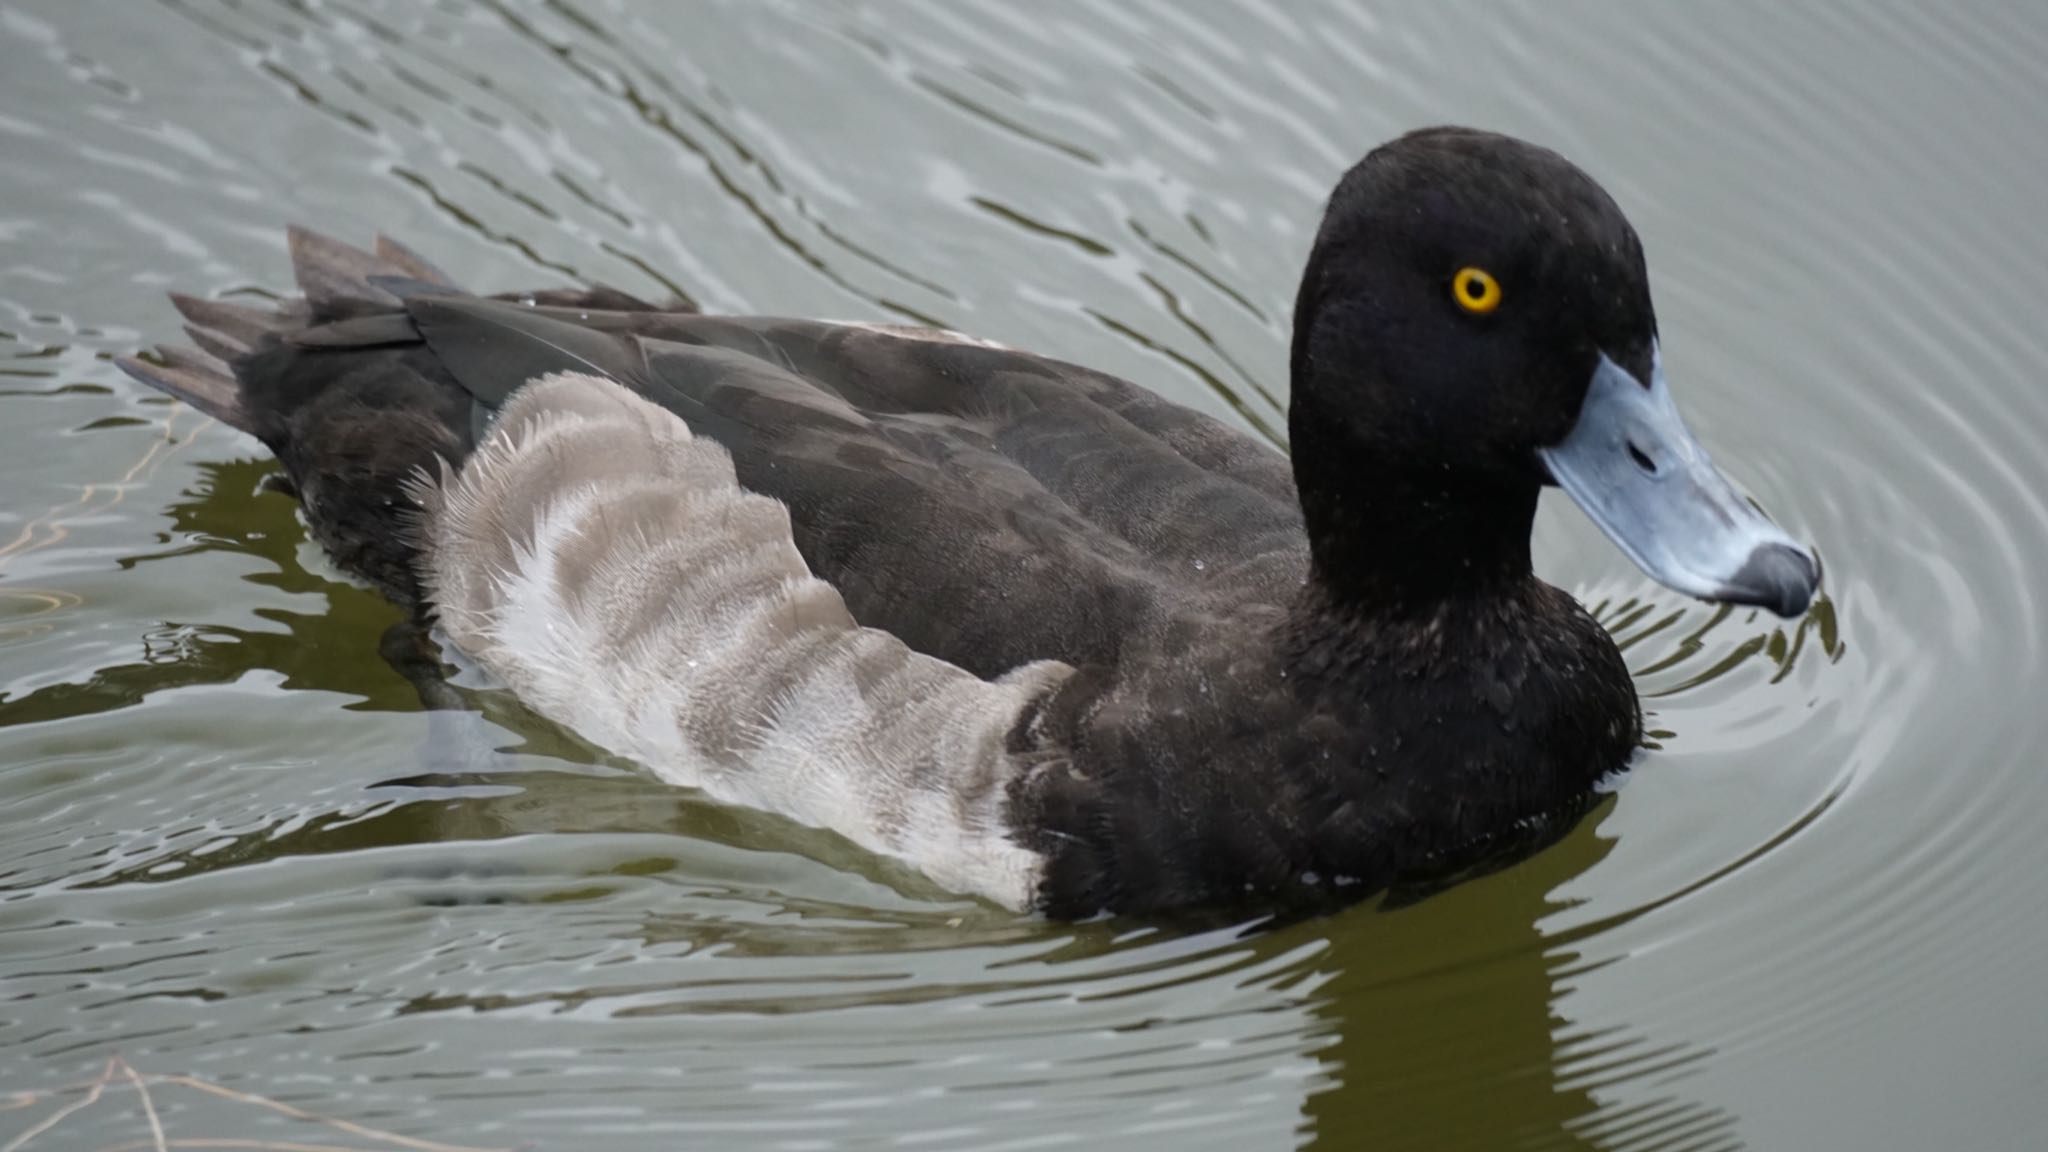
x=1636 y=469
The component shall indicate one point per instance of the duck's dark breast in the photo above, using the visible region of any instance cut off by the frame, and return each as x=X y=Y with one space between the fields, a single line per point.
x=1266 y=768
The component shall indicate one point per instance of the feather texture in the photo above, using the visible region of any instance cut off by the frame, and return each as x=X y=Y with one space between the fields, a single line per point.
x=606 y=566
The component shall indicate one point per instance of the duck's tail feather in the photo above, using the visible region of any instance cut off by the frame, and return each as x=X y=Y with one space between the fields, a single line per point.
x=410 y=263
x=343 y=387
x=231 y=330
x=336 y=277
x=200 y=377
x=339 y=285
x=339 y=385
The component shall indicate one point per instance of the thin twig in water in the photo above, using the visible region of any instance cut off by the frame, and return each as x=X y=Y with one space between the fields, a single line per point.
x=232 y=1142
x=156 y=1126
x=59 y=524
x=118 y=1068
x=30 y=1097
x=57 y=1117
x=280 y=1106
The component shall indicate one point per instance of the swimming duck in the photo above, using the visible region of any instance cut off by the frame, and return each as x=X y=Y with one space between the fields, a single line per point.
x=1049 y=638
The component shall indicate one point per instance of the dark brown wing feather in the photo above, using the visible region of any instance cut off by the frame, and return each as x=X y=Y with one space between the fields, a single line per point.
x=989 y=506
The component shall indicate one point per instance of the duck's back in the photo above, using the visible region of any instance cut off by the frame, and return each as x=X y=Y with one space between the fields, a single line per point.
x=988 y=506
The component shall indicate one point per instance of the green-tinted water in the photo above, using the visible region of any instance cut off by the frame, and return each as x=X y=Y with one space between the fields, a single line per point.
x=232 y=847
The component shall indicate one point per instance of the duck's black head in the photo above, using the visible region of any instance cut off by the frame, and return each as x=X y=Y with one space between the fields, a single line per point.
x=1475 y=322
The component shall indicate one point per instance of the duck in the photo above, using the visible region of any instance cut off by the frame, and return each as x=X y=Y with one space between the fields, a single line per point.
x=1053 y=640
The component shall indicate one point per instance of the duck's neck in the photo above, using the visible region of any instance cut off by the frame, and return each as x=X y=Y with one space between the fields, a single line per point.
x=1386 y=538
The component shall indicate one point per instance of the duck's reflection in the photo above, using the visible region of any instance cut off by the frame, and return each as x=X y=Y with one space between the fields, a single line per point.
x=1448 y=1035
x=321 y=648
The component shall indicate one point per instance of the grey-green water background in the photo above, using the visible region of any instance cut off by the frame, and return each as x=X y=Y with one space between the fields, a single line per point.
x=233 y=847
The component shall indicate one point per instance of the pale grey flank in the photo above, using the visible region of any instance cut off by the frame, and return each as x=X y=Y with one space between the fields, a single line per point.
x=606 y=566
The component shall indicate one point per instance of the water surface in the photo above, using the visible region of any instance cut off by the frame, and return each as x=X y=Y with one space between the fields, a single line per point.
x=234 y=848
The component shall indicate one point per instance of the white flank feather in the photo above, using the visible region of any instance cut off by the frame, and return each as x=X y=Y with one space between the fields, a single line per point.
x=608 y=568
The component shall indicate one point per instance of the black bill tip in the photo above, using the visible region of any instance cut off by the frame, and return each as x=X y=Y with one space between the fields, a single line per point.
x=1776 y=576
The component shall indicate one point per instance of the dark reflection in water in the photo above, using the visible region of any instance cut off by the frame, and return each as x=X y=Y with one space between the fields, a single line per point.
x=230 y=512
x=1466 y=981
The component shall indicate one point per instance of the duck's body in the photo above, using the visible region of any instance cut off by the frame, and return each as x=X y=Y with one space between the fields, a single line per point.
x=1050 y=638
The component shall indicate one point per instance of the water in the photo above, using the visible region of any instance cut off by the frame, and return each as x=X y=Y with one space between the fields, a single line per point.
x=232 y=847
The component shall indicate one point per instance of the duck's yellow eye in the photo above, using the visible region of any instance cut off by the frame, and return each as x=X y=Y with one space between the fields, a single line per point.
x=1475 y=290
